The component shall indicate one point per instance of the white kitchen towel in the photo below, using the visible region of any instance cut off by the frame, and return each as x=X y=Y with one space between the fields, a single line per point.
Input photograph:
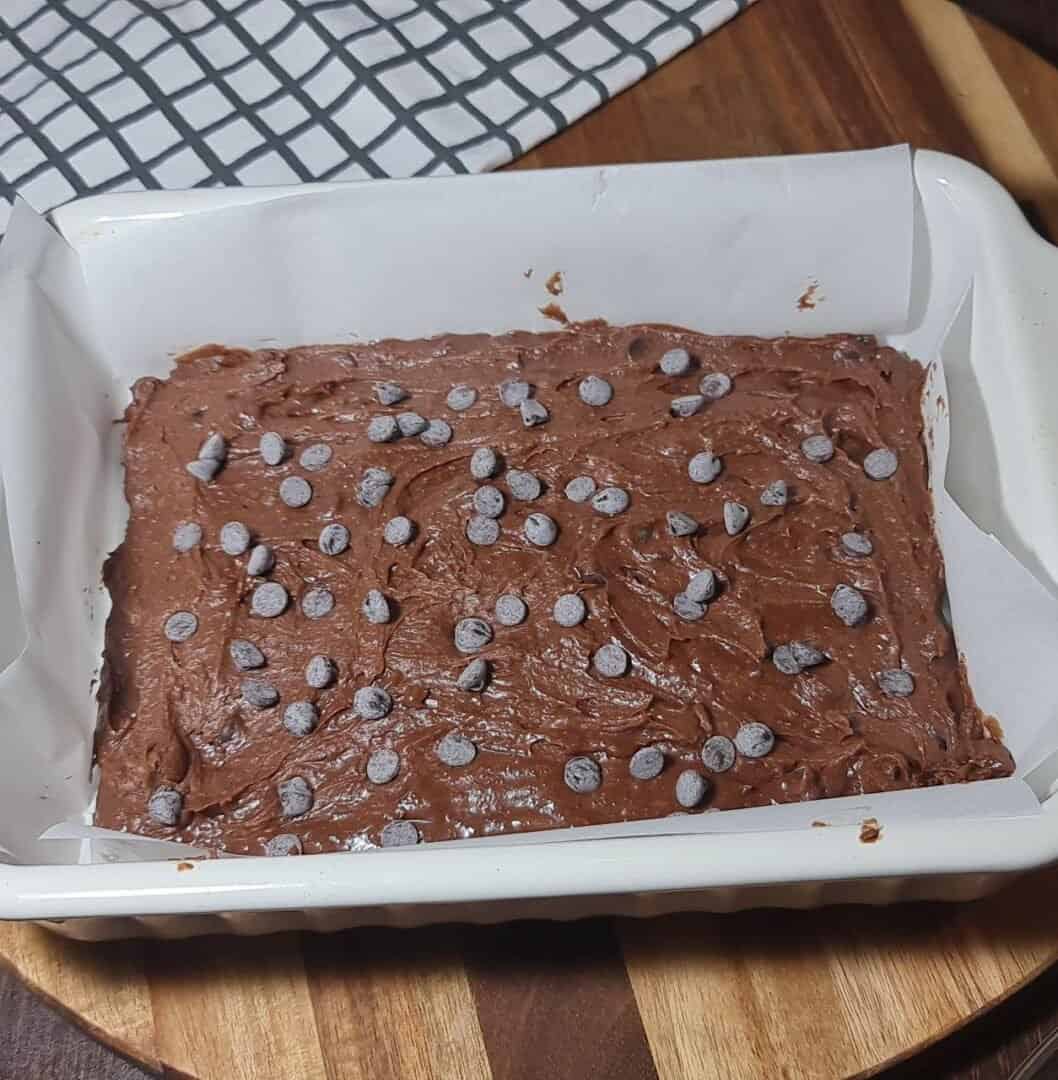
x=117 y=95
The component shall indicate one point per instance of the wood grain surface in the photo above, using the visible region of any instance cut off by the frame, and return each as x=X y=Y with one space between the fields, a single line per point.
x=832 y=993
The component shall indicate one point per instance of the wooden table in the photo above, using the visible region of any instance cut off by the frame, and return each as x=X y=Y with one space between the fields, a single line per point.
x=829 y=993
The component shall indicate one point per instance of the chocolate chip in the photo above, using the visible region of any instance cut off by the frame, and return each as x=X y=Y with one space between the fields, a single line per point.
x=525 y=486
x=489 y=501
x=688 y=405
x=715 y=385
x=320 y=672
x=675 y=362
x=691 y=788
x=317 y=603
x=334 y=539
x=540 y=530
x=483 y=531
x=437 y=434
x=372 y=703
x=754 y=740
x=300 y=718
x=688 y=609
x=817 y=448
x=315 y=457
x=390 y=393
x=792 y=659
x=203 y=470
x=262 y=559
x=373 y=487
x=282 y=845
x=511 y=610
x=273 y=448
x=375 y=608
x=736 y=517
x=849 y=605
x=856 y=543
x=648 y=761
x=775 y=494
x=484 y=463
x=580 y=489
x=381 y=429
x=880 y=464
x=513 y=392
x=582 y=775
x=400 y=834
x=383 y=766
x=295 y=492
x=234 y=538
x=456 y=750
x=569 y=610
x=533 y=413
x=398 y=531
x=215 y=448
x=704 y=468
x=702 y=586
x=718 y=753
x=472 y=634
x=165 y=806
x=180 y=626
x=460 y=398
x=259 y=693
x=610 y=501
x=807 y=655
x=896 y=682
x=681 y=524
x=269 y=600
x=474 y=677
x=295 y=796
x=610 y=661
x=410 y=424
x=595 y=391
x=245 y=655
x=187 y=535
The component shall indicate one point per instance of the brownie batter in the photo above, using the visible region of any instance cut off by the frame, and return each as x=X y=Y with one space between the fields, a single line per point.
x=177 y=732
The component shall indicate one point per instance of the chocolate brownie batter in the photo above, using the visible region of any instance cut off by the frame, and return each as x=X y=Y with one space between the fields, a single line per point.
x=540 y=737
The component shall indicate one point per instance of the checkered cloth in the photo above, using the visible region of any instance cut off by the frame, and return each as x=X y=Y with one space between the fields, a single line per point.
x=108 y=95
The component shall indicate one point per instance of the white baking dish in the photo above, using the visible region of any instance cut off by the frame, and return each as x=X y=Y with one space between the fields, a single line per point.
x=979 y=280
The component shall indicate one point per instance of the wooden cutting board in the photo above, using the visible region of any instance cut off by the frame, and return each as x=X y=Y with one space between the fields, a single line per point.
x=830 y=993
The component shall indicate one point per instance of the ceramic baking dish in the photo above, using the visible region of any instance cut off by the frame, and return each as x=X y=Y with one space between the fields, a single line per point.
x=975 y=281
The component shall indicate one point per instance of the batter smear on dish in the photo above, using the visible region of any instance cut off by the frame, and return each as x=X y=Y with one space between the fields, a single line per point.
x=414 y=591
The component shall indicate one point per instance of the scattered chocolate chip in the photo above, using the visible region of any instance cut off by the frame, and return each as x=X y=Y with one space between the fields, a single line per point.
x=807 y=655
x=398 y=531
x=295 y=796
x=855 y=543
x=849 y=605
x=775 y=494
x=320 y=672
x=300 y=718
x=373 y=487
x=704 y=468
x=245 y=655
x=383 y=766
x=648 y=761
x=187 y=535
x=681 y=524
x=685 y=406
x=582 y=775
x=334 y=538
x=472 y=634
x=610 y=501
x=817 y=448
x=792 y=659
x=484 y=463
x=234 y=538
x=691 y=788
x=483 y=531
x=317 y=603
x=783 y=659
x=569 y=610
x=400 y=834
x=511 y=610
x=456 y=750
x=282 y=845
x=610 y=661
x=489 y=501
x=295 y=492
x=269 y=600
x=702 y=586
x=688 y=609
x=736 y=517
x=460 y=398
x=533 y=413
x=474 y=677
x=180 y=626
x=215 y=448
x=315 y=457
x=375 y=608
x=540 y=530
x=438 y=433
x=372 y=703
x=718 y=753
x=390 y=393
x=273 y=448
x=715 y=385
x=259 y=693
x=754 y=740
x=595 y=391
x=165 y=806
x=262 y=559
x=580 y=489
x=675 y=362
x=203 y=470
x=896 y=682
x=513 y=392
x=525 y=486
x=880 y=464
x=410 y=424
x=381 y=429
